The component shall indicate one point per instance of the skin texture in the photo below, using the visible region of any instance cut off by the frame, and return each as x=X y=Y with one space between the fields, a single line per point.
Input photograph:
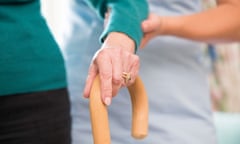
x=219 y=24
x=115 y=56
x=99 y=114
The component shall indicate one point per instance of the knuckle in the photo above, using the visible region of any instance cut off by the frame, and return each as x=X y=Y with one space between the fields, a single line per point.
x=117 y=80
x=107 y=75
x=107 y=91
x=136 y=61
x=101 y=54
x=136 y=58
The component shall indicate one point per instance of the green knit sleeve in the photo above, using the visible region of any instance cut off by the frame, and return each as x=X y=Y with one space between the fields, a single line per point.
x=126 y=16
x=15 y=1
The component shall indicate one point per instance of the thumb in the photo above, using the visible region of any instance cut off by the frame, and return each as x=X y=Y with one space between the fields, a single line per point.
x=151 y=23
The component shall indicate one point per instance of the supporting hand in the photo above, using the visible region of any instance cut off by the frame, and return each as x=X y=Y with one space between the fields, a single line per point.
x=151 y=27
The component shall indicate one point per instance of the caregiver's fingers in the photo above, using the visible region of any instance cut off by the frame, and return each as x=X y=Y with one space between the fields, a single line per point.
x=152 y=27
x=152 y=23
x=146 y=38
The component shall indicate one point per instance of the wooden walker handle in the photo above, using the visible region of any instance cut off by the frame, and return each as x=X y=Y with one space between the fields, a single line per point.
x=99 y=114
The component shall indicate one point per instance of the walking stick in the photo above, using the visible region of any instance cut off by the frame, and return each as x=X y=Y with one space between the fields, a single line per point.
x=99 y=114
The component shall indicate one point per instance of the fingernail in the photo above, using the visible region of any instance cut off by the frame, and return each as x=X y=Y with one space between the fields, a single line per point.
x=107 y=101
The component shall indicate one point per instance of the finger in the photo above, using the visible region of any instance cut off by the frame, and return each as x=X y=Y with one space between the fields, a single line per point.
x=127 y=61
x=105 y=73
x=146 y=26
x=91 y=76
x=126 y=65
x=134 y=69
x=146 y=39
x=117 y=72
x=151 y=24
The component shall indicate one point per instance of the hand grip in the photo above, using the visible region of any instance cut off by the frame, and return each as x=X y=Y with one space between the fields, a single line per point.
x=99 y=114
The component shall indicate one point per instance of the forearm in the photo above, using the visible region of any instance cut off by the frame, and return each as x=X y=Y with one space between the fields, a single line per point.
x=126 y=17
x=220 y=24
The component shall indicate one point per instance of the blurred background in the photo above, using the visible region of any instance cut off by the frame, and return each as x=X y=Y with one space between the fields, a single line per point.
x=224 y=80
x=223 y=62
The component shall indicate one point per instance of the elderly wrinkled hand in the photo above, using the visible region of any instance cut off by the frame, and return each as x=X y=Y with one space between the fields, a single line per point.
x=116 y=64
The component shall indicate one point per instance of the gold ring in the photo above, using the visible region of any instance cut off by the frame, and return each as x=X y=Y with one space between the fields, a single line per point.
x=126 y=76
